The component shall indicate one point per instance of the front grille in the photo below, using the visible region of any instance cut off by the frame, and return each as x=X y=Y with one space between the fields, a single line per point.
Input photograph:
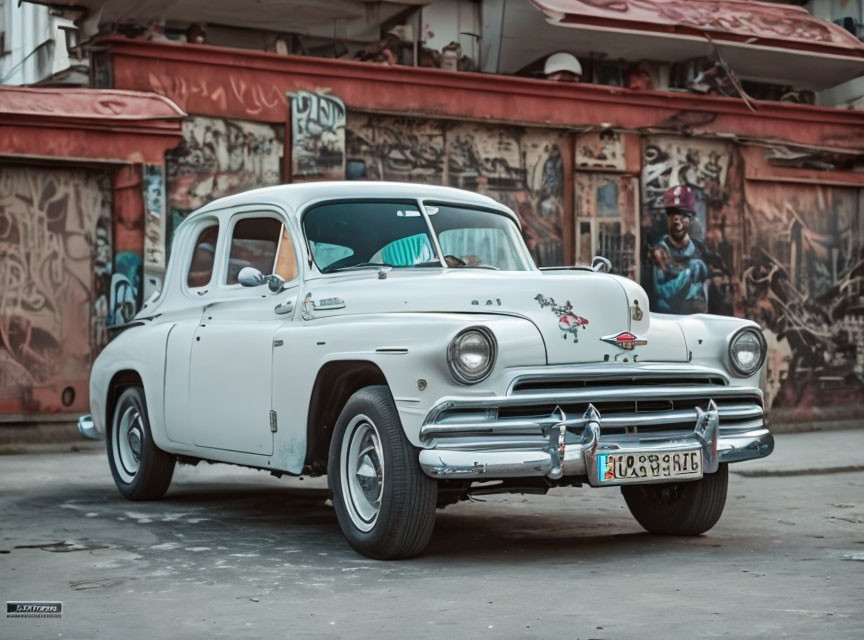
x=641 y=404
x=672 y=415
x=550 y=385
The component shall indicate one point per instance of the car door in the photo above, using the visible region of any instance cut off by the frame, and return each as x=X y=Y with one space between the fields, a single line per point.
x=232 y=350
x=196 y=284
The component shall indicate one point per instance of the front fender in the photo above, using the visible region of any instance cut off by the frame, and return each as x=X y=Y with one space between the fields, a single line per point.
x=142 y=350
x=406 y=347
x=707 y=337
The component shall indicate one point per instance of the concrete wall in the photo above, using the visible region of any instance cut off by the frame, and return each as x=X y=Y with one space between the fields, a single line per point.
x=35 y=43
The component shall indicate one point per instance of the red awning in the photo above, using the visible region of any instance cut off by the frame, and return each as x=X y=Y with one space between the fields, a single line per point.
x=102 y=125
x=725 y=20
x=86 y=104
x=761 y=41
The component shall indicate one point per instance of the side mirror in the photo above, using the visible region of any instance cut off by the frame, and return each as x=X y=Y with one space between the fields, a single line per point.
x=251 y=277
x=601 y=264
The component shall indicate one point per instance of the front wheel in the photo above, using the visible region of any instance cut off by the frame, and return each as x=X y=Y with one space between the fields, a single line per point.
x=679 y=508
x=384 y=502
x=141 y=470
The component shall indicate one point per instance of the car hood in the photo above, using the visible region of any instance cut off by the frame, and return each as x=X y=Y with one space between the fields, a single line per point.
x=579 y=313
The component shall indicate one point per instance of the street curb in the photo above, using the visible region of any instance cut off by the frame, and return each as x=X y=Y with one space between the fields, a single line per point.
x=813 y=471
x=26 y=448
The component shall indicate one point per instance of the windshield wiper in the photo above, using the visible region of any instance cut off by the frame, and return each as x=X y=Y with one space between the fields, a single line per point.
x=359 y=265
x=378 y=265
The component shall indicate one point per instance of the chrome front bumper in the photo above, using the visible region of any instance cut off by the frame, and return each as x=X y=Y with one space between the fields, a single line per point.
x=87 y=429
x=479 y=438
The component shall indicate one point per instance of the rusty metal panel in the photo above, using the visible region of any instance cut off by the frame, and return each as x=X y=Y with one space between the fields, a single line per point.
x=202 y=90
x=252 y=85
x=219 y=157
x=55 y=268
x=803 y=281
x=712 y=170
x=401 y=149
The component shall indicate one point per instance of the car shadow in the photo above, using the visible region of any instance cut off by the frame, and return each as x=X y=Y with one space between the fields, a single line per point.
x=474 y=533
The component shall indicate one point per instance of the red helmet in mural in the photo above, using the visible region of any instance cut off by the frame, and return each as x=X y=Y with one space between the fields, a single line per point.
x=680 y=197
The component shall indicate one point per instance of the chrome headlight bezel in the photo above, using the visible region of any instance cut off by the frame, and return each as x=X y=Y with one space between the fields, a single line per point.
x=763 y=348
x=458 y=373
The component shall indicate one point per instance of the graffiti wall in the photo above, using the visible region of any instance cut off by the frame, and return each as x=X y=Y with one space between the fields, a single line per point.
x=127 y=278
x=317 y=136
x=400 y=149
x=607 y=220
x=604 y=150
x=523 y=168
x=788 y=256
x=803 y=280
x=153 y=185
x=688 y=263
x=219 y=157
x=55 y=273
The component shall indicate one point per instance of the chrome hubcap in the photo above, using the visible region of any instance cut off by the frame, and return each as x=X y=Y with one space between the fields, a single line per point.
x=128 y=436
x=362 y=467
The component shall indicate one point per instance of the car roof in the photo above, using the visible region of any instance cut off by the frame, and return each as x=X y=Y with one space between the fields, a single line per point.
x=295 y=196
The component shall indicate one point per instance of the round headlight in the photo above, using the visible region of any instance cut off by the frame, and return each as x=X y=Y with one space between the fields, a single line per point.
x=747 y=351
x=471 y=355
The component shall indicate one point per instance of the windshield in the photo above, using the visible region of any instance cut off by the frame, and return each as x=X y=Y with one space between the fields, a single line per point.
x=477 y=238
x=352 y=235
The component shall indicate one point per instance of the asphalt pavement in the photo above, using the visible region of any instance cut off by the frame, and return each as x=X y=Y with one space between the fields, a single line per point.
x=236 y=553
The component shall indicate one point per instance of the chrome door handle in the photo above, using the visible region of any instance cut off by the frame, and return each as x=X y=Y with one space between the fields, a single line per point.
x=284 y=307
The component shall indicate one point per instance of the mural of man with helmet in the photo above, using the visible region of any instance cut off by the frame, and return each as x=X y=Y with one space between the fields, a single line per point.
x=679 y=261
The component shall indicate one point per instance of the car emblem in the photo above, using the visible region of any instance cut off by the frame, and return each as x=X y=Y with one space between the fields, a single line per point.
x=636 y=311
x=568 y=322
x=625 y=340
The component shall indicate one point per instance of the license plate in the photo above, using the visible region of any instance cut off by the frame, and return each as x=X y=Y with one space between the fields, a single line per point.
x=626 y=468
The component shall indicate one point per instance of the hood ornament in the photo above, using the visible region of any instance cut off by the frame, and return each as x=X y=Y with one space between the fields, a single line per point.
x=625 y=340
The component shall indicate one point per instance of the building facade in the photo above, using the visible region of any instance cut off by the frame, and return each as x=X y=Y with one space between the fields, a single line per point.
x=584 y=164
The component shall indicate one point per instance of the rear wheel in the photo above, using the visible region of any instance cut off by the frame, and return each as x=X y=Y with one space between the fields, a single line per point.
x=679 y=508
x=141 y=470
x=384 y=502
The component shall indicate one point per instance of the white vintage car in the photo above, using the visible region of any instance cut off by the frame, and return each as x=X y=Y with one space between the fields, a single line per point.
x=400 y=339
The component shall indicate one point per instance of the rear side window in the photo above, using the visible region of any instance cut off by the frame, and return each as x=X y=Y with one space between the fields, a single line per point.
x=253 y=244
x=203 y=257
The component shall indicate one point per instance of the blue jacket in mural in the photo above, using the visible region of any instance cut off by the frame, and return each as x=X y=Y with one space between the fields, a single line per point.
x=679 y=278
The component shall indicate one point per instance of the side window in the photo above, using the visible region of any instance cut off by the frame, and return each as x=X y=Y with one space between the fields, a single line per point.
x=254 y=243
x=203 y=257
